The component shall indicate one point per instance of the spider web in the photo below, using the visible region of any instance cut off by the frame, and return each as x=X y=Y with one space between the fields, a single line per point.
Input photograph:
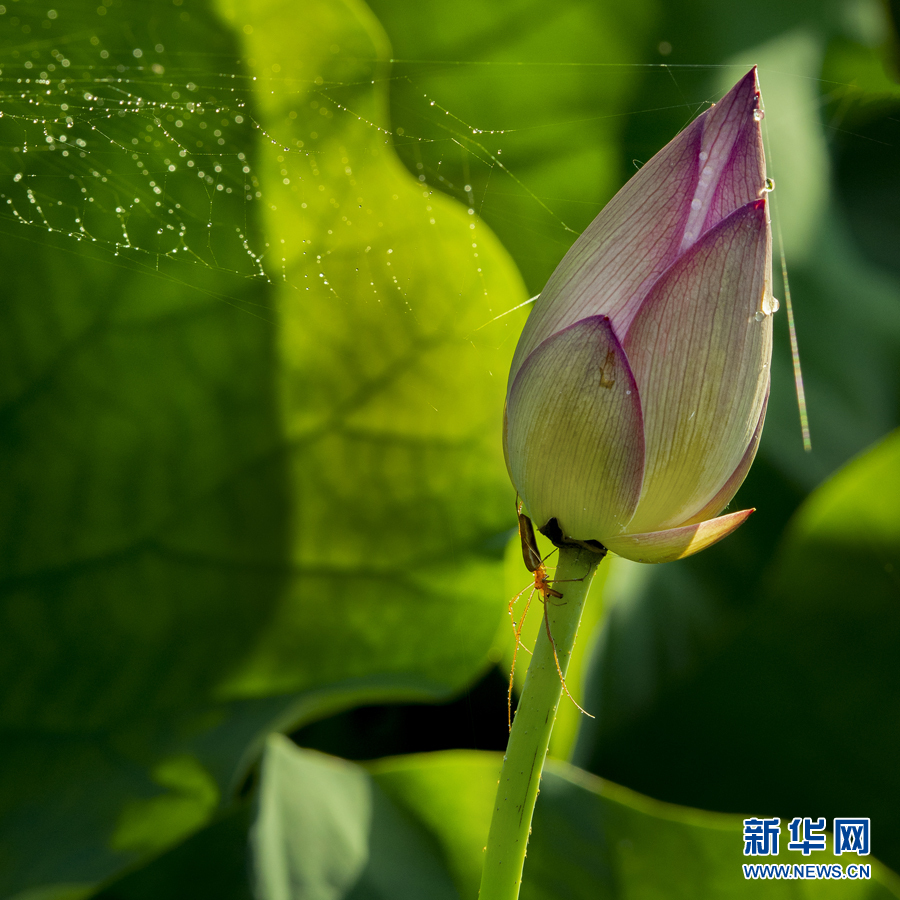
x=129 y=141
x=126 y=152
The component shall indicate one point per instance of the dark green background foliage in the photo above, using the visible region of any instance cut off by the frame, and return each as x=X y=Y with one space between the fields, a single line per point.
x=251 y=381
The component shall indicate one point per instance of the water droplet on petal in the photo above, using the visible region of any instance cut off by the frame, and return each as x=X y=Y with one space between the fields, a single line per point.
x=758 y=115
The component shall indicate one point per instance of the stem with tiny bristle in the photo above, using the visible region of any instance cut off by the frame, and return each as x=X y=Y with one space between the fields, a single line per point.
x=532 y=725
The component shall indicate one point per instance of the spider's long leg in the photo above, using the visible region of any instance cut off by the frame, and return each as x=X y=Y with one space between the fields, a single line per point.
x=518 y=630
x=512 y=603
x=558 y=668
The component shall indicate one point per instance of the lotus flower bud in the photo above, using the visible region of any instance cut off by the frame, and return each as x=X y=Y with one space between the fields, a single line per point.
x=638 y=389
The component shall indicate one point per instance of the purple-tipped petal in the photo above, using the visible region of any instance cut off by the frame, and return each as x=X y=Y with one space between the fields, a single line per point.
x=731 y=163
x=573 y=434
x=676 y=543
x=705 y=173
x=699 y=356
x=633 y=240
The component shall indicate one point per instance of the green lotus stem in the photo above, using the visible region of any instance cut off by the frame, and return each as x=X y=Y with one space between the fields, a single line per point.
x=521 y=773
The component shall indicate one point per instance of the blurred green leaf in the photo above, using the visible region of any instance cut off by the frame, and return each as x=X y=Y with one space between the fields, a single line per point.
x=234 y=501
x=325 y=831
x=862 y=118
x=212 y=863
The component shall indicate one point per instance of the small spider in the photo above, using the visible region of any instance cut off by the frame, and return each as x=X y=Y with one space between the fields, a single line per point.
x=534 y=563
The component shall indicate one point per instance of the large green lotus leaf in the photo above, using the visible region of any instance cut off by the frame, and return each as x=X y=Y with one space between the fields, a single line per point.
x=591 y=838
x=391 y=389
x=788 y=707
x=252 y=460
x=416 y=826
